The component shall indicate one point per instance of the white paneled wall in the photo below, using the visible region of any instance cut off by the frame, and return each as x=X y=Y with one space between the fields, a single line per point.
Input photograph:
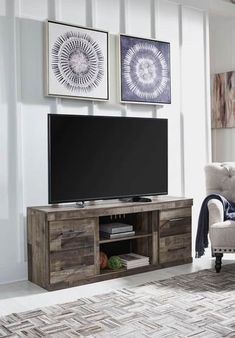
x=72 y=11
x=110 y=22
x=33 y=9
x=137 y=11
x=171 y=27
x=222 y=51
x=24 y=108
x=193 y=104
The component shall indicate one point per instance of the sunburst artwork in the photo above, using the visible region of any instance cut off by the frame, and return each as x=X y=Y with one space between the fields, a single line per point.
x=77 y=62
x=144 y=70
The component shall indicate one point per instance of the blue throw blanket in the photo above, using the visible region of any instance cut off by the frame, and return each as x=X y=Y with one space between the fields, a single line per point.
x=203 y=221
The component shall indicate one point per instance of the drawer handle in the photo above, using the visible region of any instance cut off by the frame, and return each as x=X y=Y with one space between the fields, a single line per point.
x=177 y=219
x=70 y=233
x=181 y=248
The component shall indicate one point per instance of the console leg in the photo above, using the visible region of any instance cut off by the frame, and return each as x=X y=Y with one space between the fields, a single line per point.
x=218 y=258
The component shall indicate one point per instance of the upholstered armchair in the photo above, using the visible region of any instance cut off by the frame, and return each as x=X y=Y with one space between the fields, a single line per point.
x=220 y=179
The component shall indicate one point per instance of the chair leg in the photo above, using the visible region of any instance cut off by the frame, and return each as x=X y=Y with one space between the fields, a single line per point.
x=218 y=261
x=212 y=253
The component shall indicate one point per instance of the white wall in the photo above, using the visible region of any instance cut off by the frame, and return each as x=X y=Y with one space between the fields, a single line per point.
x=23 y=107
x=222 y=51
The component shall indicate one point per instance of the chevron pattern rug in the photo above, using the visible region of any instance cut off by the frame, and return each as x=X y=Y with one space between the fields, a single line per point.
x=200 y=304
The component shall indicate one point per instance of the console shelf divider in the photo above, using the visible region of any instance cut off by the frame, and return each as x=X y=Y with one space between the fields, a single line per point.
x=106 y=240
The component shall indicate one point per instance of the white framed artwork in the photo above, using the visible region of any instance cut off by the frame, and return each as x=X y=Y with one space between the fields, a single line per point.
x=77 y=62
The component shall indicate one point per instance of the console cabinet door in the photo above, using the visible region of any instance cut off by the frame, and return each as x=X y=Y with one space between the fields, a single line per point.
x=175 y=235
x=73 y=247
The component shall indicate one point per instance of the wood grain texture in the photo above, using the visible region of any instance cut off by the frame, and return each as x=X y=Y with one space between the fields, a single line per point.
x=73 y=250
x=106 y=275
x=175 y=221
x=38 y=248
x=106 y=208
x=143 y=246
x=29 y=243
x=155 y=237
x=174 y=213
x=127 y=238
x=63 y=243
x=69 y=234
x=143 y=222
x=173 y=248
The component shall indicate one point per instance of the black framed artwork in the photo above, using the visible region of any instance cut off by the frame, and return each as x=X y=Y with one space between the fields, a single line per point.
x=77 y=61
x=145 y=74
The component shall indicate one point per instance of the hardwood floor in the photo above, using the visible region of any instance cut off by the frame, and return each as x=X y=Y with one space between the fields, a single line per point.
x=23 y=295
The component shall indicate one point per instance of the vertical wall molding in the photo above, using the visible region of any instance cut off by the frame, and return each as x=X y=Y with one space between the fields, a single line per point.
x=181 y=100
x=123 y=20
x=18 y=6
x=91 y=13
x=232 y=157
x=154 y=15
x=51 y=9
x=154 y=8
x=207 y=87
x=14 y=146
x=54 y=13
x=58 y=16
x=13 y=164
x=20 y=191
x=91 y=22
x=54 y=9
x=123 y=16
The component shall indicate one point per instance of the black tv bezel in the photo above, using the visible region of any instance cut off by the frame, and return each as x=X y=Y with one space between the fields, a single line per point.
x=50 y=201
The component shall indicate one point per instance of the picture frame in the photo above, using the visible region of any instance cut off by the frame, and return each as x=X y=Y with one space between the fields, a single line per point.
x=144 y=70
x=77 y=62
x=223 y=100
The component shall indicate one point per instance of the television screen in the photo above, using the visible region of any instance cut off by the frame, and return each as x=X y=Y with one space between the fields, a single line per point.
x=96 y=157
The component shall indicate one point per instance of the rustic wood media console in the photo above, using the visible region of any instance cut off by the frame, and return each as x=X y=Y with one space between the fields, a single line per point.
x=64 y=241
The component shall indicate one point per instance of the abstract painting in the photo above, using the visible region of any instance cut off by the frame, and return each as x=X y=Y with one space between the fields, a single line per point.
x=77 y=62
x=144 y=70
x=223 y=100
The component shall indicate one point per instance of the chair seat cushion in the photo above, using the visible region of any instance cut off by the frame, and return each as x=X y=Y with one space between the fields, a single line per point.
x=222 y=235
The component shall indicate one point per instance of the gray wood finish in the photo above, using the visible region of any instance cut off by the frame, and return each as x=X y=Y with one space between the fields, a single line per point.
x=64 y=242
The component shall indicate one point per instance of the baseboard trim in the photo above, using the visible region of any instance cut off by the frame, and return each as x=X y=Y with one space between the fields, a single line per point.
x=13 y=272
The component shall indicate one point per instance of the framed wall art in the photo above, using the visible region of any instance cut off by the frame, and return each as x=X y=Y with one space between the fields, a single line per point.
x=223 y=100
x=145 y=75
x=77 y=61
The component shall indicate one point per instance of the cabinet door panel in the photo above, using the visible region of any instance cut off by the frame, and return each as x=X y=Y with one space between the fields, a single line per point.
x=69 y=277
x=73 y=250
x=174 y=248
x=61 y=260
x=175 y=222
x=70 y=234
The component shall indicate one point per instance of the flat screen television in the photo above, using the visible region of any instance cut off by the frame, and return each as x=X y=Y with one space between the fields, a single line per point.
x=96 y=157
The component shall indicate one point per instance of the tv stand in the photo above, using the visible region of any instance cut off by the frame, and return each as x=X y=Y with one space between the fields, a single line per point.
x=137 y=199
x=64 y=243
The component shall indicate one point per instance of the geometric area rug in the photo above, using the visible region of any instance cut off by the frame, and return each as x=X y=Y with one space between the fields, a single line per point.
x=199 y=304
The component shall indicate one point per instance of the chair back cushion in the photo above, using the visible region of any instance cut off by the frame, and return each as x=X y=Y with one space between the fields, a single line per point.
x=220 y=179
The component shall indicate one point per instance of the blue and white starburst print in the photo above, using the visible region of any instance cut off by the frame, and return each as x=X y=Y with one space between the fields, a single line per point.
x=145 y=70
x=77 y=62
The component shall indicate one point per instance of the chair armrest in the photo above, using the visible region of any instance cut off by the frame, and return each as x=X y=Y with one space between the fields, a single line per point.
x=216 y=211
